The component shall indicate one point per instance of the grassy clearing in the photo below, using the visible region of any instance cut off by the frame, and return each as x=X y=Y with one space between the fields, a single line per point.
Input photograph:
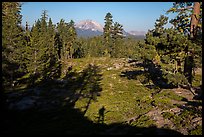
x=125 y=98
x=119 y=96
x=97 y=90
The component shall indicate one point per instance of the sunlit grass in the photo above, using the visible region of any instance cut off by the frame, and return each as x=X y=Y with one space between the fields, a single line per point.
x=121 y=97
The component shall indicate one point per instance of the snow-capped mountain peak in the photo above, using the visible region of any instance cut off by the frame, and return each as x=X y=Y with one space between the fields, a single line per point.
x=135 y=33
x=90 y=28
x=89 y=25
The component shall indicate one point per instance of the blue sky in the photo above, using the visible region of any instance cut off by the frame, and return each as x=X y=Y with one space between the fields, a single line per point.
x=139 y=16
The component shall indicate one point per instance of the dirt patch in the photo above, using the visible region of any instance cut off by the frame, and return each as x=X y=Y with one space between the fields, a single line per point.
x=156 y=115
x=188 y=103
x=184 y=93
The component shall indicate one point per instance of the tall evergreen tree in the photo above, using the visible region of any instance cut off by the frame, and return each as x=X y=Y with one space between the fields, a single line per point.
x=117 y=36
x=66 y=35
x=41 y=52
x=107 y=33
x=72 y=38
x=52 y=68
x=34 y=54
x=170 y=45
x=188 y=21
x=62 y=36
x=47 y=45
x=12 y=43
x=51 y=35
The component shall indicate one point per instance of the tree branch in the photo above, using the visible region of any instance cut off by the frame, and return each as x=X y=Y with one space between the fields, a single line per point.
x=181 y=9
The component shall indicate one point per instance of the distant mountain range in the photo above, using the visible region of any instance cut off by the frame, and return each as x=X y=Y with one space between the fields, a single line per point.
x=90 y=28
x=136 y=33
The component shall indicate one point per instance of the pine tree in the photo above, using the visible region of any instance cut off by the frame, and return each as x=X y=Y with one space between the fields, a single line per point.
x=107 y=33
x=62 y=37
x=188 y=22
x=12 y=43
x=170 y=45
x=189 y=18
x=34 y=54
x=44 y=44
x=78 y=49
x=117 y=36
x=159 y=25
x=47 y=45
x=72 y=38
x=51 y=35
x=52 y=67
x=66 y=35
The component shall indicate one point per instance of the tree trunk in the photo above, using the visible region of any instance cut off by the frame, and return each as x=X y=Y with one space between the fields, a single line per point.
x=194 y=20
x=188 y=68
x=179 y=65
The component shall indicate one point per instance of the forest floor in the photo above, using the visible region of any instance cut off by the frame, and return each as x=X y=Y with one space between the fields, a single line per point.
x=104 y=96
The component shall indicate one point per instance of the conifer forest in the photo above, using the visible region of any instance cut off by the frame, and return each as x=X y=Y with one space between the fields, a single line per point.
x=57 y=83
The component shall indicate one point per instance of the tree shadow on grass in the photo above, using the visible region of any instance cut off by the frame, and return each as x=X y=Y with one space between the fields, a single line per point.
x=194 y=106
x=66 y=120
x=74 y=86
x=55 y=114
x=151 y=72
x=87 y=85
